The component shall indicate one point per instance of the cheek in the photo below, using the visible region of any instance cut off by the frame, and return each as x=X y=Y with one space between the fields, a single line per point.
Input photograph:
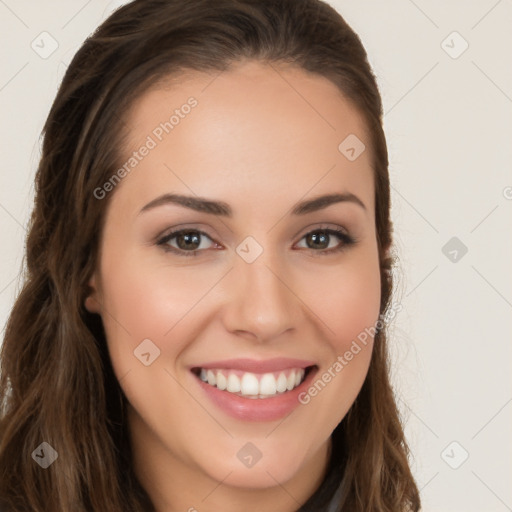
x=148 y=301
x=346 y=297
x=159 y=303
x=348 y=302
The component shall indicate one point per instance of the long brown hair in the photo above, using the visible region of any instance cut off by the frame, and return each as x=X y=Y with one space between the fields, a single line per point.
x=57 y=384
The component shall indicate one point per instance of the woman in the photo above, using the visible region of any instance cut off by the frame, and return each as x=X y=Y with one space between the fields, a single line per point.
x=246 y=134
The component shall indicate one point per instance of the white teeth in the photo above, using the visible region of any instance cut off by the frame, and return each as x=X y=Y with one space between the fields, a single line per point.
x=234 y=385
x=281 y=383
x=222 y=382
x=211 y=378
x=249 y=385
x=290 y=381
x=268 y=384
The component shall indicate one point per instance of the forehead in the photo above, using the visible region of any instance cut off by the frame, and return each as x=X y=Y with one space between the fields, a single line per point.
x=254 y=128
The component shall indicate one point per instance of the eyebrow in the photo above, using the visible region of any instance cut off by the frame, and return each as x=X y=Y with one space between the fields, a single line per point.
x=201 y=204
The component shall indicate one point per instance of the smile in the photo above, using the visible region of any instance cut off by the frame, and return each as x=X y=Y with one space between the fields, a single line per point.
x=254 y=390
x=252 y=385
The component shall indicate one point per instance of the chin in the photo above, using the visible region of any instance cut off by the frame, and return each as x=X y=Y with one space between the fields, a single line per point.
x=277 y=468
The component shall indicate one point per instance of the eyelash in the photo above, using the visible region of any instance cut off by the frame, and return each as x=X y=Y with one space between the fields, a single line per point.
x=347 y=240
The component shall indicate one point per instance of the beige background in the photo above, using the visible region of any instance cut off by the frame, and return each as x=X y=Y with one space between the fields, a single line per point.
x=448 y=124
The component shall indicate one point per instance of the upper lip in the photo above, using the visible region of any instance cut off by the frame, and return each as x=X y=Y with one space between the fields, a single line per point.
x=255 y=365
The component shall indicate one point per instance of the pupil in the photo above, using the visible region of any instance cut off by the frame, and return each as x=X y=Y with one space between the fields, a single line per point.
x=190 y=238
x=320 y=238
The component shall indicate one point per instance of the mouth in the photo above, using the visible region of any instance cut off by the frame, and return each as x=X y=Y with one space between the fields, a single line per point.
x=254 y=389
x=253 y=385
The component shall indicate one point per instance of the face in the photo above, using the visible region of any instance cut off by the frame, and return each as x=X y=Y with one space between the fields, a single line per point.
x=258 y=290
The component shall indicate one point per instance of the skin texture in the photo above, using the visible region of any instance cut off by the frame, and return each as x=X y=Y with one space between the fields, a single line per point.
x=261 y=138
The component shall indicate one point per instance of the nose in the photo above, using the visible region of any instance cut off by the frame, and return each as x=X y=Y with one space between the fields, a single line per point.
x=262 y=304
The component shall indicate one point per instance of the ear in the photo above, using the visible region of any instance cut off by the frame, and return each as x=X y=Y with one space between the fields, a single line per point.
x=92 y=301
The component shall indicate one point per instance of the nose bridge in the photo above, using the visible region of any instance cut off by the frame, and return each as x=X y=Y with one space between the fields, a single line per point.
x=263 y=280
x=262 y=302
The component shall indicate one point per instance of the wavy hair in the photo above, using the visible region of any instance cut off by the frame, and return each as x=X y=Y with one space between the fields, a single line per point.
x=57 y=383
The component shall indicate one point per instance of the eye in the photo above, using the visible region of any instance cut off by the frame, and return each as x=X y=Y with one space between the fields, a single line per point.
x=319 y=241
x=188 y=242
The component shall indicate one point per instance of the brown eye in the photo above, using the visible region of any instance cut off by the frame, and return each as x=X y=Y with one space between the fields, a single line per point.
x=185 y=242
x=318 y=241
x=188 y=240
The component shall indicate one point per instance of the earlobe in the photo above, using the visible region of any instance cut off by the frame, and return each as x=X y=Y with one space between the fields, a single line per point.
x=92 y=302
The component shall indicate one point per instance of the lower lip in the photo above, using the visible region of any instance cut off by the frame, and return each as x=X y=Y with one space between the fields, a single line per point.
x=256 y=409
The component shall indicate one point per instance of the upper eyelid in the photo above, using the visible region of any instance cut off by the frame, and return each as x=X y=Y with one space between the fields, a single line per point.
x=344 y=225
